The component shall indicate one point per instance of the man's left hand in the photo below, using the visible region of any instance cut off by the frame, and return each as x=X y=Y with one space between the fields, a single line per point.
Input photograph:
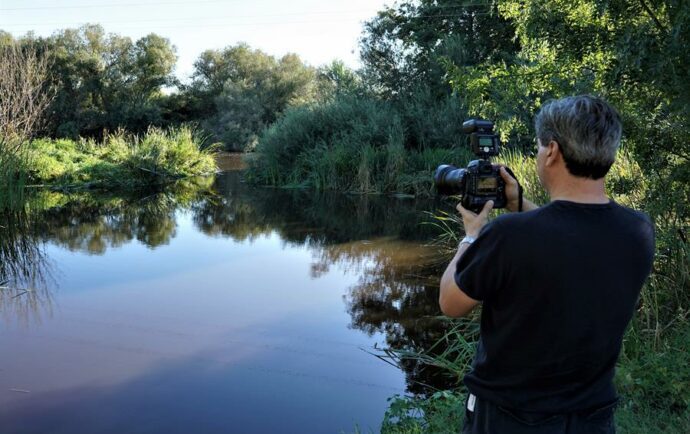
x=475 y=222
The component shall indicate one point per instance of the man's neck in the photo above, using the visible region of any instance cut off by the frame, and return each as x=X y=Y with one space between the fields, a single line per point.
x=580 y=190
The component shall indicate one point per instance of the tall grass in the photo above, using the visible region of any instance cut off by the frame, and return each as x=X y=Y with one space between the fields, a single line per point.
x=362 y=145
x=13 y=170
x=119 y=161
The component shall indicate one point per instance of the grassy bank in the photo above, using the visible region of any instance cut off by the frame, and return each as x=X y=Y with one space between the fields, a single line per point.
x=119 y=162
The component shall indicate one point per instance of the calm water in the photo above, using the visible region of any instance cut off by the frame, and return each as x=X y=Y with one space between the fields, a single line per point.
x=234 y=309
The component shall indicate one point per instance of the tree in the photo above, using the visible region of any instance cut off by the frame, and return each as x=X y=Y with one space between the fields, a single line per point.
x=24 y=97
x=104 y=81
x=407 y=44
x=238 y=91
x=633 y=53
x=24 y=93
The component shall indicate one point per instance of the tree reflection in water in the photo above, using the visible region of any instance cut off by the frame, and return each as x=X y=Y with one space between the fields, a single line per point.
x=92 y=223
x=25 y=271
x=382 y=238
x=82 y=222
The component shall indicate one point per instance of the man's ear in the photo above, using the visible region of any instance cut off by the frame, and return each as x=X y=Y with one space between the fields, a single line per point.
x=553 y=153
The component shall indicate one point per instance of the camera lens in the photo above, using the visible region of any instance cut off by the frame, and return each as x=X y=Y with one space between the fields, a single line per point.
x=449 y=180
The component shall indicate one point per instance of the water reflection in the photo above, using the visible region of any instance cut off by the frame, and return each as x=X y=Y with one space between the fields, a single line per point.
x=381 y=238
x=398 y=297
x=92 y=223
x=379 y=242
x=307 y=218
x=25 y=270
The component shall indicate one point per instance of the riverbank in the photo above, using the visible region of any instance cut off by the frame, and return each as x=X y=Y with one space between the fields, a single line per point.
x=119 y=162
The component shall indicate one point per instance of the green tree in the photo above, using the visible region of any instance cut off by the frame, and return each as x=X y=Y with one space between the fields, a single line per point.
x=238 y=91
x=633 y=53
x=105 y=81
x=405 y=45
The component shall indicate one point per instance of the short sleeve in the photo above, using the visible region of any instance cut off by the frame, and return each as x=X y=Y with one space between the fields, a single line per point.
x=480 y=269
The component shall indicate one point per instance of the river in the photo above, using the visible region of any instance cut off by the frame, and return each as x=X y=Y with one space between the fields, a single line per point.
x=223 y=309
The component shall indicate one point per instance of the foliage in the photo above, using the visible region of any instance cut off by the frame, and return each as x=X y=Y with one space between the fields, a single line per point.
x=120 y=161
x=336 y=79
x=238 y=91
x=406 y=44
x=354 y=144
x=435 y=415
x=632 y=53
x=104 y=81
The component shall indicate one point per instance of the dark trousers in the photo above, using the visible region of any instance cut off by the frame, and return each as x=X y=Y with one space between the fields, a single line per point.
x=488 y=418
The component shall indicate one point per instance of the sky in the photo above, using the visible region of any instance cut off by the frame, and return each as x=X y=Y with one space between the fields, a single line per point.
x=319 y=31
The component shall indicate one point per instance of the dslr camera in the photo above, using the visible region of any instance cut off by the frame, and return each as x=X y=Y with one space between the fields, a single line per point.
x=480 y=181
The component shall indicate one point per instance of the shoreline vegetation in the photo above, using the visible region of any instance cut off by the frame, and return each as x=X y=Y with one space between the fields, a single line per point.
x=119 y=163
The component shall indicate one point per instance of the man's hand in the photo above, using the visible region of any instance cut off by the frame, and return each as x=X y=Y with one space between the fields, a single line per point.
x=475 y=222
x=512 y=190
x=513 y=193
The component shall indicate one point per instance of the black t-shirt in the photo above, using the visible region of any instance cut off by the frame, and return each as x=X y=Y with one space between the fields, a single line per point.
x=559 y=285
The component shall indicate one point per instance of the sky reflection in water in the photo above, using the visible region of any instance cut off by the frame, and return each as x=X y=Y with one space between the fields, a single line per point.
x=247 y=310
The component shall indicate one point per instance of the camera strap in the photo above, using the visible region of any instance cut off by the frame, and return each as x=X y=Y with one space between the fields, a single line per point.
x=510 y=172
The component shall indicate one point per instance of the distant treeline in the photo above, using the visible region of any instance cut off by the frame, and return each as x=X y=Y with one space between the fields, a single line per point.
x=103 y=82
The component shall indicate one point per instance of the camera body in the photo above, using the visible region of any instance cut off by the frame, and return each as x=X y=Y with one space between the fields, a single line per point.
x=480 y=181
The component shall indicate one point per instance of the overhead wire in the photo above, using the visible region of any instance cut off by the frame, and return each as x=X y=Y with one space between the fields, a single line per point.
x=195 y=20
x=116 y=5
x=192 y=3
x=154 y=20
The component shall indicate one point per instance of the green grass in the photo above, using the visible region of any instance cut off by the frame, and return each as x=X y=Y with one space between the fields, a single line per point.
x=13 y=170
x=119 y=161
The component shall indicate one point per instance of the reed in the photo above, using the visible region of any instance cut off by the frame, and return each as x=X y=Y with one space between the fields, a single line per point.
x=13 y=171
x=120 y=161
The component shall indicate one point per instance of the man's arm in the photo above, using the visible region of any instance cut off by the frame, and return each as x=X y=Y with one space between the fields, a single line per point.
x=452 y=300
x=454 y=303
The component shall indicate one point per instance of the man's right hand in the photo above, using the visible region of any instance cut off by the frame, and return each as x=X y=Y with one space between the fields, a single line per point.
x=513 y=193
x=512 y=190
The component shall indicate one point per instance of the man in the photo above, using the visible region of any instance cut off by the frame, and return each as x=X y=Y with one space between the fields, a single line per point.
x=558 y=284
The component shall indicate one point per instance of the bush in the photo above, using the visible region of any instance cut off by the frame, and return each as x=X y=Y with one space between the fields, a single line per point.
x=119 y=161
x=353 y=144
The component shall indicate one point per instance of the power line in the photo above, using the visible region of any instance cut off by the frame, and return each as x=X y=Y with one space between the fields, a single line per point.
x=193 y=18
x=183 y=20
x=195 y=3
x=117 y=5
x=203 y=25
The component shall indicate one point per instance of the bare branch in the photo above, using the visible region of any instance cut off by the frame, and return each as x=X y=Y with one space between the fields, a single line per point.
x=651 y=14
x=24 y=94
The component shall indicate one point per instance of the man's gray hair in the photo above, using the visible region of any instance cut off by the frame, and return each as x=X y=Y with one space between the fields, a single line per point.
x=587 y=130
